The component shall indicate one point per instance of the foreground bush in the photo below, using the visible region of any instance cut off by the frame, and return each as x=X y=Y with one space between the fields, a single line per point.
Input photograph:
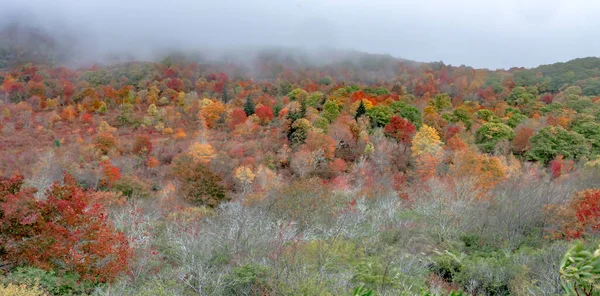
x=64 y=231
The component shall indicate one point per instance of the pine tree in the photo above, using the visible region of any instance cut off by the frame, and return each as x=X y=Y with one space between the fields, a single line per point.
x=224 y=95
x=249 y=106
x=360 y=111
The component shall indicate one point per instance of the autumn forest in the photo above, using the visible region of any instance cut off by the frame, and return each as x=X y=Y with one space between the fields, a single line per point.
x=363 y=175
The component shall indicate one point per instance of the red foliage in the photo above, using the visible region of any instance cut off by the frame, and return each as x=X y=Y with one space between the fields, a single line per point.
x=64 y=232
x=556 y=166
x=111 y=173
x=238 y=116
x=264 y=113
x=547 y=98
x=587 y=208
x=400 y=129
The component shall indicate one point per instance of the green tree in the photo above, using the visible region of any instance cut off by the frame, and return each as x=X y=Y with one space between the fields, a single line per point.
x=249 y=107
x=551 y=141
x=331 y=110
x=380 y=115
x=519 y=95
x=360 y=111
x=441 y=102
x=407 y=111
x=591 y=131
x=490 y=133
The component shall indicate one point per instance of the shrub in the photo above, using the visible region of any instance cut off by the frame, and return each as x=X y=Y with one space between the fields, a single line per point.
x=199 y=185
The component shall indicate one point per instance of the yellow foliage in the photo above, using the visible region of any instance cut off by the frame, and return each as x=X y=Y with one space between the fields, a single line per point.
x=426 y=140
x=202 y=152
x=211 y=113
x=21 y=290
x=180 y=134
x=167 y=131
x=368 y=105
x=244 y=174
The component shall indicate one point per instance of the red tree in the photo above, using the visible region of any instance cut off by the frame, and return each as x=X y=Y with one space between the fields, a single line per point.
x=400 y=129
x=64 y=232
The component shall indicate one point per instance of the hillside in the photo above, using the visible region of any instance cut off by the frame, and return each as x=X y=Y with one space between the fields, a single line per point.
x=290 y=172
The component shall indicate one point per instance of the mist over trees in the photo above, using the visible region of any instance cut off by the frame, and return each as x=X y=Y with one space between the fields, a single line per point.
x=284 y=170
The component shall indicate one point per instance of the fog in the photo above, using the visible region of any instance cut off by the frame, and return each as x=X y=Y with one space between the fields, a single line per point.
x=492 y=34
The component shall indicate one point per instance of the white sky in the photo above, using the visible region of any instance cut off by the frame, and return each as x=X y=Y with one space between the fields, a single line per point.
x=480 y=33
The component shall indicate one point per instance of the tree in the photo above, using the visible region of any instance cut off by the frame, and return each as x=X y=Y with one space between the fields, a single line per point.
x=65 y=231
x=400 y=129
x=362 y=110
x=237 y=117
x=264 y=113
x=520 y=142
x=520 y=96
x=426 y=141
x=318 y=141
x=552 y=141
x=490 y=133
x=142 y=145
x=249 y=106
x=441 y=102
x=380 y=115
x=407 y=111
x=211 y=113
x=591 y=131
x=331 y=110
x=202 y=152
x=199 y=185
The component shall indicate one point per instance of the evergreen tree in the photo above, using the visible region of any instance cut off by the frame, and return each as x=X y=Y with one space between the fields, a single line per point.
x=249 y=106
x=360 y=111
x=224 y=95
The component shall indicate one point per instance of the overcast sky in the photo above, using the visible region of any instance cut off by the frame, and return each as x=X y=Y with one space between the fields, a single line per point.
x=479 y=33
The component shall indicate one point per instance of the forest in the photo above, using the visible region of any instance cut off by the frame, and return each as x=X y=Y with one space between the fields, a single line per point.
x=277 y=175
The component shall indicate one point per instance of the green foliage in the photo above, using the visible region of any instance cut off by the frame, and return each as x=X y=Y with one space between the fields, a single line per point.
x=407 y=111
x=580 y=271
x=322 y=123
x=490 y=133
x=361 y=290
x=554 y=108
x=331 y=110
x=591 y=131
x=360 y=111
x=249 y=279
x=515 y=119
x=519 y=96
x=127 y=115
x=380 y=115
x=314 y=99
x=441 y=102
x=487 y=115
x=581 y=105
x=249 y=107
x=298 y=94
x=551 y=141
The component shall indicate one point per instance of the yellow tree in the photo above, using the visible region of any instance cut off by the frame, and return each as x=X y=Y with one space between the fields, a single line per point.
x=202 y=152
x=211 y=113
x=245 y=177
x=426 y=140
